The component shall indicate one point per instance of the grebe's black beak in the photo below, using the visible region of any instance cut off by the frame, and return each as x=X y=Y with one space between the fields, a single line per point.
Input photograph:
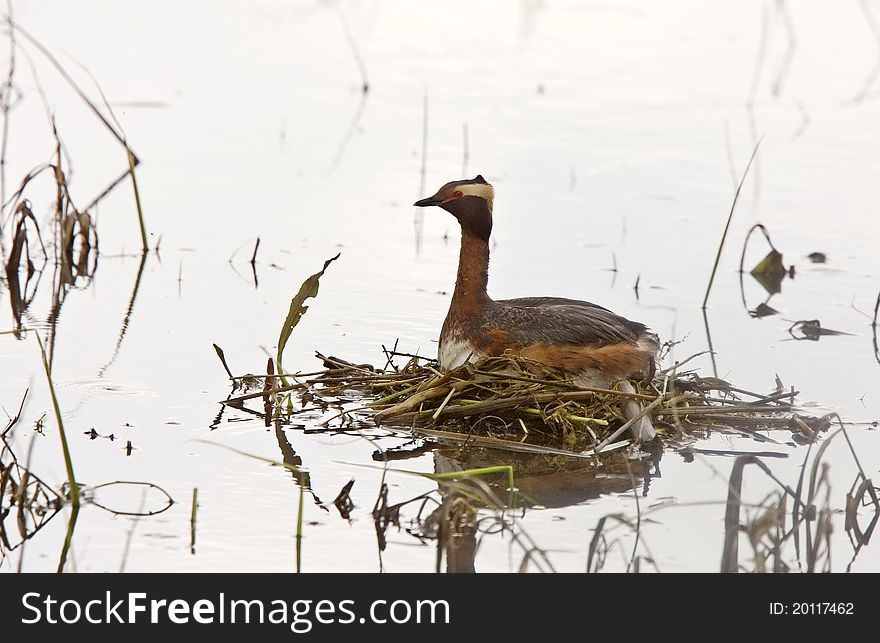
x=431 y=200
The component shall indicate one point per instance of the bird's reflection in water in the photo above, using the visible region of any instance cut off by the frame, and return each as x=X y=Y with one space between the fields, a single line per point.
x=475 y=508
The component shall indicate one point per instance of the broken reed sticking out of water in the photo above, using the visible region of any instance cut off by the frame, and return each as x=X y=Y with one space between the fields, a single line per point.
x=514 y=403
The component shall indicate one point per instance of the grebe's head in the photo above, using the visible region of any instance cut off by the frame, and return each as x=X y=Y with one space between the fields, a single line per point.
x=469 y=201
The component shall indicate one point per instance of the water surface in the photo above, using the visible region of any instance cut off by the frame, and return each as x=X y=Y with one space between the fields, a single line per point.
x=614 y=135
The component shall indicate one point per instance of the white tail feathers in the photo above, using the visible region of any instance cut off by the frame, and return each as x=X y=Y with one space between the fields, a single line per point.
x=642 y=429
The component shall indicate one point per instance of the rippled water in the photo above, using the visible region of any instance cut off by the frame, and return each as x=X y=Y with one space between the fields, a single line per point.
x=614 y=134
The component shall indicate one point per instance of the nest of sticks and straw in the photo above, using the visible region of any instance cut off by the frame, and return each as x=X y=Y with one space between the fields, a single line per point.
x=513 y=403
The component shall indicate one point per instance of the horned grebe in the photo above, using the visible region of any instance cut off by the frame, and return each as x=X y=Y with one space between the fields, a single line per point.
x=594 y=345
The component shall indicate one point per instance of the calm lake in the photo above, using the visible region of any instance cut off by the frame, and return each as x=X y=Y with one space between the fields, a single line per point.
x=614 y=134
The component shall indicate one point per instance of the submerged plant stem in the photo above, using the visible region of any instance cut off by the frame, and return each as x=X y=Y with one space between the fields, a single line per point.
x=192 y=520
x=68 y=463
x=68 y=538
x=299 y=526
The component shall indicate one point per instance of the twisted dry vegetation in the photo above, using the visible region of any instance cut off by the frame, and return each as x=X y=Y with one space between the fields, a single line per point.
x=516 y=404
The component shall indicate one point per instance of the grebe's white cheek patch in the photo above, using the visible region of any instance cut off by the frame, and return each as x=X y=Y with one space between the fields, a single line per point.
x=454 y=352
x=482 y=190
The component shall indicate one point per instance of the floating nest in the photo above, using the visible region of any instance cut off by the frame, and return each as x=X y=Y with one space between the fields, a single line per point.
x=517 y=404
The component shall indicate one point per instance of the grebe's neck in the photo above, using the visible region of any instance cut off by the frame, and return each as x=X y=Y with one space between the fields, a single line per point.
x=473 y=273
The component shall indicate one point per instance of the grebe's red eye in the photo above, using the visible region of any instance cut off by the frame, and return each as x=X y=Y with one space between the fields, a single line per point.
x=457 y=194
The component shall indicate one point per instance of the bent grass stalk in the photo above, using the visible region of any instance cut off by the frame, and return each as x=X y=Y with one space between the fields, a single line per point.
x=450 y=475
x=483 y=471
x=116 y=133
x=727 y=225
x=132 y=162
x=137 y=198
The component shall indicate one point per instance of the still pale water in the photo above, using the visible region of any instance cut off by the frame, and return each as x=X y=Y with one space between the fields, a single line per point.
x=614 y=134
